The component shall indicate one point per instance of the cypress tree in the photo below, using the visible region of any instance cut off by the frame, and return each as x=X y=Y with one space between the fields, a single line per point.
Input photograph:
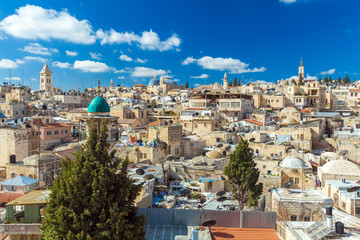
x=319 y=79
x=326 y=79
x=330 y=79
x=339 y=80
x=235 y=82
x=230 y=84
x=186 y=85
x=346 y=79
x=243 y=175
x=93 y=197
x=301 y=80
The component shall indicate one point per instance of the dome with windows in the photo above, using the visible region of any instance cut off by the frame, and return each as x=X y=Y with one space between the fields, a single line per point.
x=98 y=105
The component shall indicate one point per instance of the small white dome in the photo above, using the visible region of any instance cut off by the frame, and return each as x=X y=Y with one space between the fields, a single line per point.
x=292 y=162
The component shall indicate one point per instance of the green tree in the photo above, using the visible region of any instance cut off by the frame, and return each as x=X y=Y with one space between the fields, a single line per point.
x=319 y=79
x=354 y=80
x=230 y=84
x=346 y=79
x=93 y=197
x=243 y=175
x=293 y=82
x=330 y=79
x=301 y=80
x=235 y=82
x=339 y=80
x=326 y=80
x=186 y=85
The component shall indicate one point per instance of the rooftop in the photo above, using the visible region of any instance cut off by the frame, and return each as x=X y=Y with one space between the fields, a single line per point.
x=33 y=197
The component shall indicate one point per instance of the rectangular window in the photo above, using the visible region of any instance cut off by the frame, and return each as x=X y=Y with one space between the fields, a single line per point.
x=48 y=133
x=291 y=179
x=145 y=155
x=66 y=131
x=56 y=132
x=293 y=218
x=357 y=210
x=296 y=180
x=264 y=166
x=307 y=219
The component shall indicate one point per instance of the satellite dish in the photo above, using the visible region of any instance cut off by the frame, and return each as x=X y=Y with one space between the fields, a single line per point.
x=140 y=171
x=208 y=223
x=170 y=157
x=219 y=145
x=220 y=193
x=343 y=153
x=353 y=189
x=149 y=176
x=287 y=184
x=185 y=191
x=221 y=199
x=228 y=148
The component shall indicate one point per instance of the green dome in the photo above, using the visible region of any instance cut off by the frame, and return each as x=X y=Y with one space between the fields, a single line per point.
x=98 y=105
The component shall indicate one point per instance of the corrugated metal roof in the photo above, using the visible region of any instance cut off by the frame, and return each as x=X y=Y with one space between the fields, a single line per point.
x=19 y=181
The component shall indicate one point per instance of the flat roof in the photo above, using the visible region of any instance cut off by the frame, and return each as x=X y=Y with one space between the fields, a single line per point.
x=33 y=197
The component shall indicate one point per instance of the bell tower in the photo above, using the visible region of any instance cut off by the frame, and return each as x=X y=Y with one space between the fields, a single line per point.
x=301 y=70
x=46 y=82
x=226 y=83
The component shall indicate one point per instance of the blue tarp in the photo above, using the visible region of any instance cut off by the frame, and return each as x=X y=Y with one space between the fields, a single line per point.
x=19 y=181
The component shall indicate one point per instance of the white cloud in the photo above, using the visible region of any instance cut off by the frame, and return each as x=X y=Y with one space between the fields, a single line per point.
x=13 y=79
x=38 y=59
x=71 y=53
x=328 y=72
x=91 y=66
x=19 y=61
x=119 y=71
x=126 y=58
x=297 y=78
x=188 y=60
x=37 y=48
x=287 y=1
x=34 y=79
x=61 y=64
x=148 y=40
x=234 y=66
x=7 y=63
x=96 y=56
x=34 y=22
x=197 y=85
x=202 y=76
x=139 y=60
x=146 y=72
x=121 y=77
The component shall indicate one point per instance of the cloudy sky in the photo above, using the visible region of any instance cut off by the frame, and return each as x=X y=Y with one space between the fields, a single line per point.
x=195 y=41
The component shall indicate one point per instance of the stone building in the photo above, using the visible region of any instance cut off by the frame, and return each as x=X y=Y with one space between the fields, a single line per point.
x=171 y=134
x=46 y=81
x=297 y=205
x=14 y=141
x=338 y=169
x=297 y=172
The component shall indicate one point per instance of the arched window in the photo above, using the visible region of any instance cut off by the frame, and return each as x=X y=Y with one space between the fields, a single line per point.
x=30 y=176
x=13 y=175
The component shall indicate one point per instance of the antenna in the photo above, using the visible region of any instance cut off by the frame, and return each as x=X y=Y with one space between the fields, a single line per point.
x=22 y=76
x=9 y=76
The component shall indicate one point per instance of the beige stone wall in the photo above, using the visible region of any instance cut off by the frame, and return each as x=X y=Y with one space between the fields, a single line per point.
x=24 y=237
x=299 y=178
x=19 y=169
x=14 y=141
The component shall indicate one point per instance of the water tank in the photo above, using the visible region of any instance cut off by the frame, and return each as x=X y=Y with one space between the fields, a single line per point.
x=339 y=228
x=13 y=158
x=195 y=235
x=329 y=210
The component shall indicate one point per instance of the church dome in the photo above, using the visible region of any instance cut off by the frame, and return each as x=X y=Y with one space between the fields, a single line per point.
x=98 y=105
x=292 y=162
x=154 y=81
x=214 y=154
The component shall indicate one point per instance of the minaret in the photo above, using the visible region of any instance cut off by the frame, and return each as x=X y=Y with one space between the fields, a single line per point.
x=111 y=84
x=301 y=69
x=98 y=88
x=46 y=80
x=225 y=81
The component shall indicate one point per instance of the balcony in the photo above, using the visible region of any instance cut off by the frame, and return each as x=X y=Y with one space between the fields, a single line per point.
x=22 y=228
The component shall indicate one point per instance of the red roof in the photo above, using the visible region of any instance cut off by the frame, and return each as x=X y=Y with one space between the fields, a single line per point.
x=254 y=122
x=195 y=109
x=225 y=233
x=139 y=85
x=306 y=110
x=354 y=90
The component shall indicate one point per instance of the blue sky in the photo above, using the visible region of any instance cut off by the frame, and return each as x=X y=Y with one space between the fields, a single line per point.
x=193 y=41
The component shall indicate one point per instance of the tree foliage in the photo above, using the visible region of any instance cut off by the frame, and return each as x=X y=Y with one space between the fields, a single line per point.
x=230 y=84
x=301 y=80
x=243 y=175
x=186 y=85
x=93 y=197
x=346 y=79
x=235 y=83
x=319 y=80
